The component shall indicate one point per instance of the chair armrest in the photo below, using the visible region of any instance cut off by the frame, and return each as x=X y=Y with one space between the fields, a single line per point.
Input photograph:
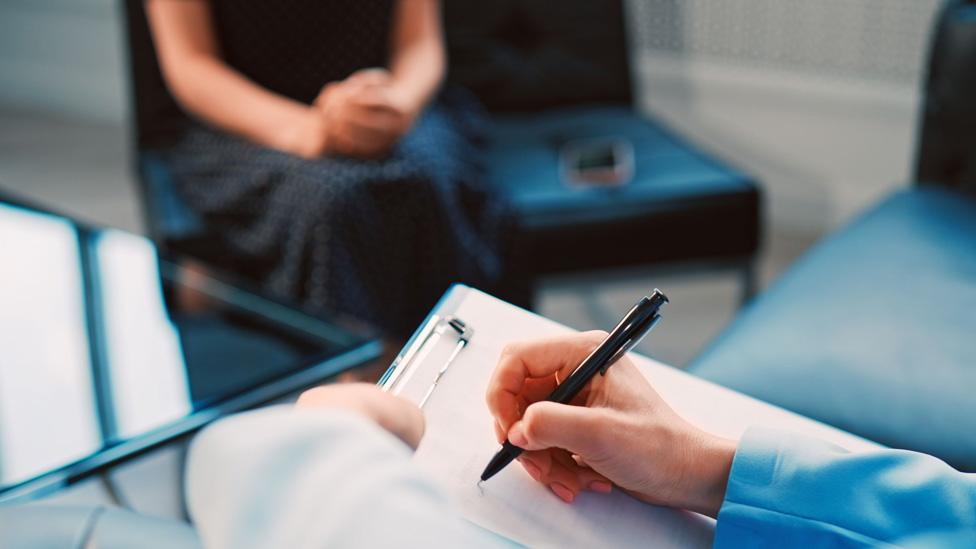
x=90 y=527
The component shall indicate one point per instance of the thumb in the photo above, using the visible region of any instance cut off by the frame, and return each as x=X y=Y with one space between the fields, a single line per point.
x=551 y=425
x=373 y=75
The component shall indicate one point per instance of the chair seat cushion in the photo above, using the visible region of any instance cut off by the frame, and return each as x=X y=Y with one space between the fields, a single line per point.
x=680 y=204
x=873 y=331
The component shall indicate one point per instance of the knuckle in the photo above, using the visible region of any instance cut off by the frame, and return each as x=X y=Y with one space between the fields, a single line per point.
x=493 y=401
x=315 y=391
x=600 y=426
x=596 y=335
x=511 y=349
x=313 y=394
x=592 y=338
x=532 y=423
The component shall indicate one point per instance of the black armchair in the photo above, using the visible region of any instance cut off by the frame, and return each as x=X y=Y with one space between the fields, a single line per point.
x=554 y=73
x=947 y=134
x=872 y=330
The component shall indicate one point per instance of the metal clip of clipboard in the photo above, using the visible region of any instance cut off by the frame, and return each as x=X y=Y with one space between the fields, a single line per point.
x=407 y=363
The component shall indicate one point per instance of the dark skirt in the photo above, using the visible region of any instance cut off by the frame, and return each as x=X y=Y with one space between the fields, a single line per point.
x=378 y=239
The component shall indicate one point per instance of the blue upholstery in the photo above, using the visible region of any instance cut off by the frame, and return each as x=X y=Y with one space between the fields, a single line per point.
x=525 y=162
x=695 y=205
x=873 y=331
x=170 y=217
x=180 y=231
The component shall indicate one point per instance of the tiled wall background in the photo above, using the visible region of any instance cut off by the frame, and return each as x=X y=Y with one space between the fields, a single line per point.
x=874 y=40
x=817 y=98
x=64 y=57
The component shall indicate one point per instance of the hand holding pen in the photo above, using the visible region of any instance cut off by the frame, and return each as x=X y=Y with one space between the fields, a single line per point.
x=616 y=432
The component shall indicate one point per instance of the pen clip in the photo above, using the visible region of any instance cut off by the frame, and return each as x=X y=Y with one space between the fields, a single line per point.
x=641 y=333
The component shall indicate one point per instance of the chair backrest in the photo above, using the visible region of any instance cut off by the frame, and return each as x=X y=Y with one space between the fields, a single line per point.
x=525 y=55
x=156 y=116
x=946 y=152
x=157 y=121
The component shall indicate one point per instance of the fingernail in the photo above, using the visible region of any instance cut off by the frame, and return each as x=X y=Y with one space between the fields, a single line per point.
x=532 y=470
x=516 y=436
x=564 y=493
x=601 y=486
x=499 y=433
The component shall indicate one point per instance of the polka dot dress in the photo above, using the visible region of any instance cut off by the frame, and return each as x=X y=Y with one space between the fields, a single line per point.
x=378 y=239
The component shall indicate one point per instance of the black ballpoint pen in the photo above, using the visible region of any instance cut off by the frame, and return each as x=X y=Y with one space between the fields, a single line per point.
x=628 y=333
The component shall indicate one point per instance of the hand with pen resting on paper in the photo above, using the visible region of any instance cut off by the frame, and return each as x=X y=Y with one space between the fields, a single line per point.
x=618 y=433
x=786 y=489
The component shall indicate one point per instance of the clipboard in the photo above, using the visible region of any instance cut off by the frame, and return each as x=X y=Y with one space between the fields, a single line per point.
x=440 y=332
x=459 y=439
x=436 y=329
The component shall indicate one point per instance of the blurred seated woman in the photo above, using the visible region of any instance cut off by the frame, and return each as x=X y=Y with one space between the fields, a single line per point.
x=321 y=150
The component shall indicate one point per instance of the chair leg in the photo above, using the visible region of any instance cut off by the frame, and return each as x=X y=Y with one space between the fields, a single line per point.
x=749 y=280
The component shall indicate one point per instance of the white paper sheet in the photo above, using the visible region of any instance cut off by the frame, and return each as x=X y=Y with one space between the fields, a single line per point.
x=460 y=440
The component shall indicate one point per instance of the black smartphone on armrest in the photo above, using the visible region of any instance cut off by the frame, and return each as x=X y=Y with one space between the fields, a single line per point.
x=601 y=162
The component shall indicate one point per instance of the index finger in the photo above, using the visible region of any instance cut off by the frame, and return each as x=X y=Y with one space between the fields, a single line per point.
x=557 y=356
x=373 y=75
x=373 y=98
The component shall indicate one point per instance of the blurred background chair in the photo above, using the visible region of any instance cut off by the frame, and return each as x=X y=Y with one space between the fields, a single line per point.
x=550 y=77
x=873 y=330
x=947 y=142
x=547 y=79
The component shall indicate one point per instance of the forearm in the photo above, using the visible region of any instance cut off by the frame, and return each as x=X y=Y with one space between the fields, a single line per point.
x=216 y=93
x=784 y=490
x=418 y=61
x=708 y=459
x=192 y=65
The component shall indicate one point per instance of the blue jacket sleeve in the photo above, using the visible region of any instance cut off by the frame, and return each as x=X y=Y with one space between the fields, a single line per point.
x=286 y=477
x=786 y=490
